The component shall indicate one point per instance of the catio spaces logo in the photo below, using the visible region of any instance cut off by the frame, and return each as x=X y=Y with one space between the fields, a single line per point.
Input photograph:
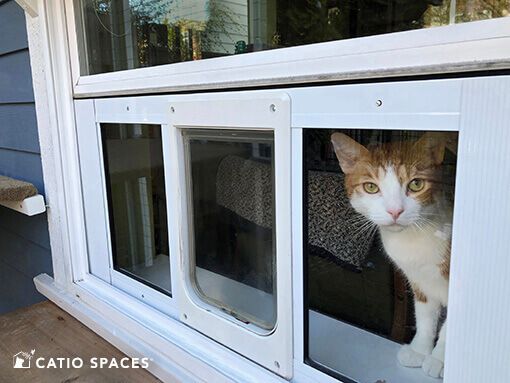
x=22 y=359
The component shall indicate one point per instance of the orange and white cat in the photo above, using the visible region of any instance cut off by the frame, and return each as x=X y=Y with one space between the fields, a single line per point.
x=398 y=187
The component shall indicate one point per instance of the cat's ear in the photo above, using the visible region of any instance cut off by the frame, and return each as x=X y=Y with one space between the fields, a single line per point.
x=433 y=145
x=347 y=151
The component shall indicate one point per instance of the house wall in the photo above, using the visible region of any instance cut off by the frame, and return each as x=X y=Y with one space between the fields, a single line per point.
x=24 y=241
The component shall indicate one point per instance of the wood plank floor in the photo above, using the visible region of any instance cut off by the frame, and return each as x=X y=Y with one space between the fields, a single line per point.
x=53 y=333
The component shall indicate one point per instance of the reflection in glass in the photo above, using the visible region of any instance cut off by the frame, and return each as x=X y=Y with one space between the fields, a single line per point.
x=231 y=210
x=471 y=10
x=135 y=183
x=378 y=228
x=127 y=34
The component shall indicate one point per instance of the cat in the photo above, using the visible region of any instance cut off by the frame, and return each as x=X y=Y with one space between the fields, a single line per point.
x=398 y=187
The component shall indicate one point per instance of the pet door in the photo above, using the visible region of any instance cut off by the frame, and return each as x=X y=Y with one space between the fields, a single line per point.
x=379 y=207
x=231 y=209
x=233 y=162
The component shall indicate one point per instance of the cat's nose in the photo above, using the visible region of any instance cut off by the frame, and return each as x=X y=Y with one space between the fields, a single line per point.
x=395 y=213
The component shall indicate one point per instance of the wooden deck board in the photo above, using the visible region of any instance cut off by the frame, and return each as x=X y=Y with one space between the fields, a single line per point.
x=54 y=333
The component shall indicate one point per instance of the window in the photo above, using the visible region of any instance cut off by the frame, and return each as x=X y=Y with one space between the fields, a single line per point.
x=126 y=34
x=135 y=185
x=272 y=267
x=231 y=178
x=374 y=200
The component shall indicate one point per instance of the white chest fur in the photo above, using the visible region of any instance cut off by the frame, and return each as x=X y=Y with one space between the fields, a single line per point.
x=419 y=254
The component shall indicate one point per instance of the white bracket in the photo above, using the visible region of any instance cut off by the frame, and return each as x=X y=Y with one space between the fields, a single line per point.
x=29 y=6
x=29 y=206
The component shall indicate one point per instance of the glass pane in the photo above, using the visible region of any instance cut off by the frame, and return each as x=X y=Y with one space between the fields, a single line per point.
x=231 y=176
x=378 y=228
x=126 y=34
x=471 y=10
x=135 y=184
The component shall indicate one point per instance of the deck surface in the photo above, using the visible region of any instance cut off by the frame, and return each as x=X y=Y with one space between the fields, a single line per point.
x=53 y=333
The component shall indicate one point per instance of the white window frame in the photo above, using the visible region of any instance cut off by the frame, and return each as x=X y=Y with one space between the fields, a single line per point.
x=462 y=47
x=178 y=351
x=90 y=116
x=254 y=111
x=417 y=105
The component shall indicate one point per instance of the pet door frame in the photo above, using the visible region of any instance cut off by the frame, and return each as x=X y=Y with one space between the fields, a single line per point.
x=246 y=111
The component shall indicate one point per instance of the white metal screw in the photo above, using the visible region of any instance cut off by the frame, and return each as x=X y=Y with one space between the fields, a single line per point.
x=272 y=108
x=378 y=103
x=172 y=109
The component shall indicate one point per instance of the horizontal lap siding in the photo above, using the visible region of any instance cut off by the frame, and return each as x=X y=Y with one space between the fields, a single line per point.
x=13 y=35
x=24 y=241
x=19 y=127
x=15 y=77
x=25 y=166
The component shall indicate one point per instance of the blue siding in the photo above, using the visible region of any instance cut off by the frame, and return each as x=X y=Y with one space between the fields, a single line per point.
x=13 y=33
x=19 y=127
x=25 y=227
x=15 y=77
x=22 y=165
x=24 y=241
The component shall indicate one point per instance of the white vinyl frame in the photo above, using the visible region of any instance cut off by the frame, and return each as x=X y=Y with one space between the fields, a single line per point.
x=266 y=111
x=248 y=111
x=390 y=105
x=478 y=345
x=95 y=202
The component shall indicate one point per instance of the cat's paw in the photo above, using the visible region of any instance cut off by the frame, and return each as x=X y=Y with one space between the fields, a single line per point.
x=409 y=358
x=433 y=367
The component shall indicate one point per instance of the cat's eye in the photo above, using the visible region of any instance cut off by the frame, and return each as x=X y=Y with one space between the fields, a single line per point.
x=370 y=187
x=416 y=185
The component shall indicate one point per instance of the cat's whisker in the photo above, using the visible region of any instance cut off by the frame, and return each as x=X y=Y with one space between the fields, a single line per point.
x=364 y=230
